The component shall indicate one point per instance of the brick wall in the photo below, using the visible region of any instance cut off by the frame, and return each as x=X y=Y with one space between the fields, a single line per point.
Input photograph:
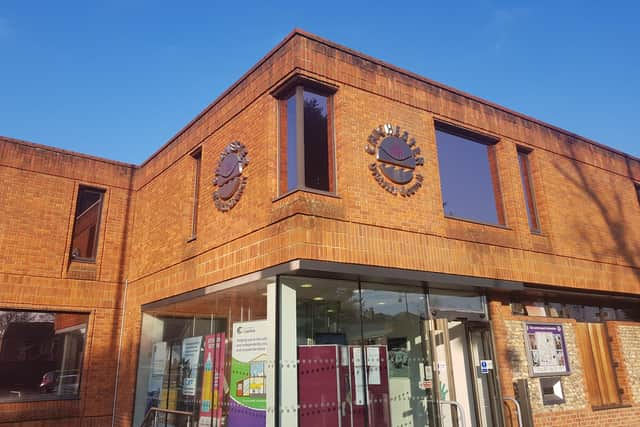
x=628 y=342
x=38 y=192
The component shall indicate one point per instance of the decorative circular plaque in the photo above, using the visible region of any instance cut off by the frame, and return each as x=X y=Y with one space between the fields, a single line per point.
x=229 y=180
x=397 y=158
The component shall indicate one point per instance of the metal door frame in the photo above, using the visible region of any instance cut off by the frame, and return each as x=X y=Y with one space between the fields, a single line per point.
x=488 y=345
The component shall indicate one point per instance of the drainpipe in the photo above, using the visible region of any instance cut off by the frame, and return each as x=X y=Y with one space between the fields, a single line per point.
x=115 y=392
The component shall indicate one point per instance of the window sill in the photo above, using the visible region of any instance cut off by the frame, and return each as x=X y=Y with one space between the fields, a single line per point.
x=614 y=406
x=83 y=260
x=471 y=221
x=307 y=190
x=82 y=269
x=33 y=400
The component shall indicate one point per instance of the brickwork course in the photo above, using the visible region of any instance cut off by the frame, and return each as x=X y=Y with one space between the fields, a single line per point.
x=585 y=195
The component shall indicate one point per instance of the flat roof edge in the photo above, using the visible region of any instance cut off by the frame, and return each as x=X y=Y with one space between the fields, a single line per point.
x=50 y=148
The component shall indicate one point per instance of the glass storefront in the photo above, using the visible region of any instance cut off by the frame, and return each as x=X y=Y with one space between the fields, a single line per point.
x=211 y=357
x=301 y=351
x=362 y=352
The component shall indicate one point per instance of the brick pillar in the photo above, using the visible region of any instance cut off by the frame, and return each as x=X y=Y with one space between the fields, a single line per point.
x=505 y=377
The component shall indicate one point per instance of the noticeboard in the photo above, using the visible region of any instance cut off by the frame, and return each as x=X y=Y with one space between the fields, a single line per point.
x=546 y=349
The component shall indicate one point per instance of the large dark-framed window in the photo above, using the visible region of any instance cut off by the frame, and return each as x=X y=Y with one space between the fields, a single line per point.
x=41 y=354
x=468 y=175
x=524 y=155
x=306 y=151
x=86 y=225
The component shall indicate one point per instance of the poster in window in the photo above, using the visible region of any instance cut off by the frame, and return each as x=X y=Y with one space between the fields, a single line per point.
x=156 y=376
x=190 y=357
x=398 y=349
x=212 y=381
x=546 y=349
x=248 y=379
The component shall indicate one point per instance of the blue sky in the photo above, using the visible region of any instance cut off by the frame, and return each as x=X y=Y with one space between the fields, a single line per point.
x=117 y=79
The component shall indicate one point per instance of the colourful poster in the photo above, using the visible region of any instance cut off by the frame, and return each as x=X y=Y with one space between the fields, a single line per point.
x=207 y=381
x=212 y=381
x=190 y=357
x=247 y=407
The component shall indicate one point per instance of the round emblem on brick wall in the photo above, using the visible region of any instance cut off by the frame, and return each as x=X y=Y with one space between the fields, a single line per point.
x=397 y=158
x=229 y=180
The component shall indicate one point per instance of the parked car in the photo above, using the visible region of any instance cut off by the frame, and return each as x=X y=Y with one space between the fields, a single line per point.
x=67 y=383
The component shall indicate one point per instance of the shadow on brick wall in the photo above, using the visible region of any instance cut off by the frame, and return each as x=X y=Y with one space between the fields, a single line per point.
x=613 y=215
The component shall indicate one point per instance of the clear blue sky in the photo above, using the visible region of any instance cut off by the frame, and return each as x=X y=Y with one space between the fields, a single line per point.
x=118 y=78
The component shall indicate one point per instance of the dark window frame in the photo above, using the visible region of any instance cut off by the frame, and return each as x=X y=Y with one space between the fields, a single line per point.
x=297 y=87
x=196 y=155
x=492 y=160
x=526 y=178
x=96 y=234
x=636 y=186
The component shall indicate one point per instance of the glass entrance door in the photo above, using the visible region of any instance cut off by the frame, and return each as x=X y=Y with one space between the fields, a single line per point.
x=465 y=373
x=395 y=318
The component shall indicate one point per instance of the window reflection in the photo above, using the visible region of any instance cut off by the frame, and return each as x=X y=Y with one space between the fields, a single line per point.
x=527 y=188
x=316 y=141
x=41 y=355
x=440 y=300
x=467 y=180
x=86 y=224
x=210 y=356
x=306 y=130
x=362 y=354
x=292 y=149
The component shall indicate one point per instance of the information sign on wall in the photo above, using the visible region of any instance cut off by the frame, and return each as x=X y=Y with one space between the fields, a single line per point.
x=546 y=349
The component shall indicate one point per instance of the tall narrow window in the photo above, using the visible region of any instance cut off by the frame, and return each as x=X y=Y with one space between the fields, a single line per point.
x=197 y=164
x=306 y=143
x=638 y=191
x=468 y=175
x=84 y=242
x=527 y=187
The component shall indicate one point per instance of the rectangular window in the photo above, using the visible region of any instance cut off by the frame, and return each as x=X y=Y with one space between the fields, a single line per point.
x=600 y=378
x=41 y=355
x=527 y=187
x=638 y=191
x=84 y=242
x=306 y=138
x=468 y=175
x=197 y=164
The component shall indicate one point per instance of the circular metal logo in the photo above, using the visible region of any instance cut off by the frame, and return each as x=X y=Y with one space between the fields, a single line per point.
x=397 y=158
x=229 y=179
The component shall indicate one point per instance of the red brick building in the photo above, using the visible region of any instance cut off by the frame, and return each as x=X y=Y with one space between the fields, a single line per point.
x=334 y=241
